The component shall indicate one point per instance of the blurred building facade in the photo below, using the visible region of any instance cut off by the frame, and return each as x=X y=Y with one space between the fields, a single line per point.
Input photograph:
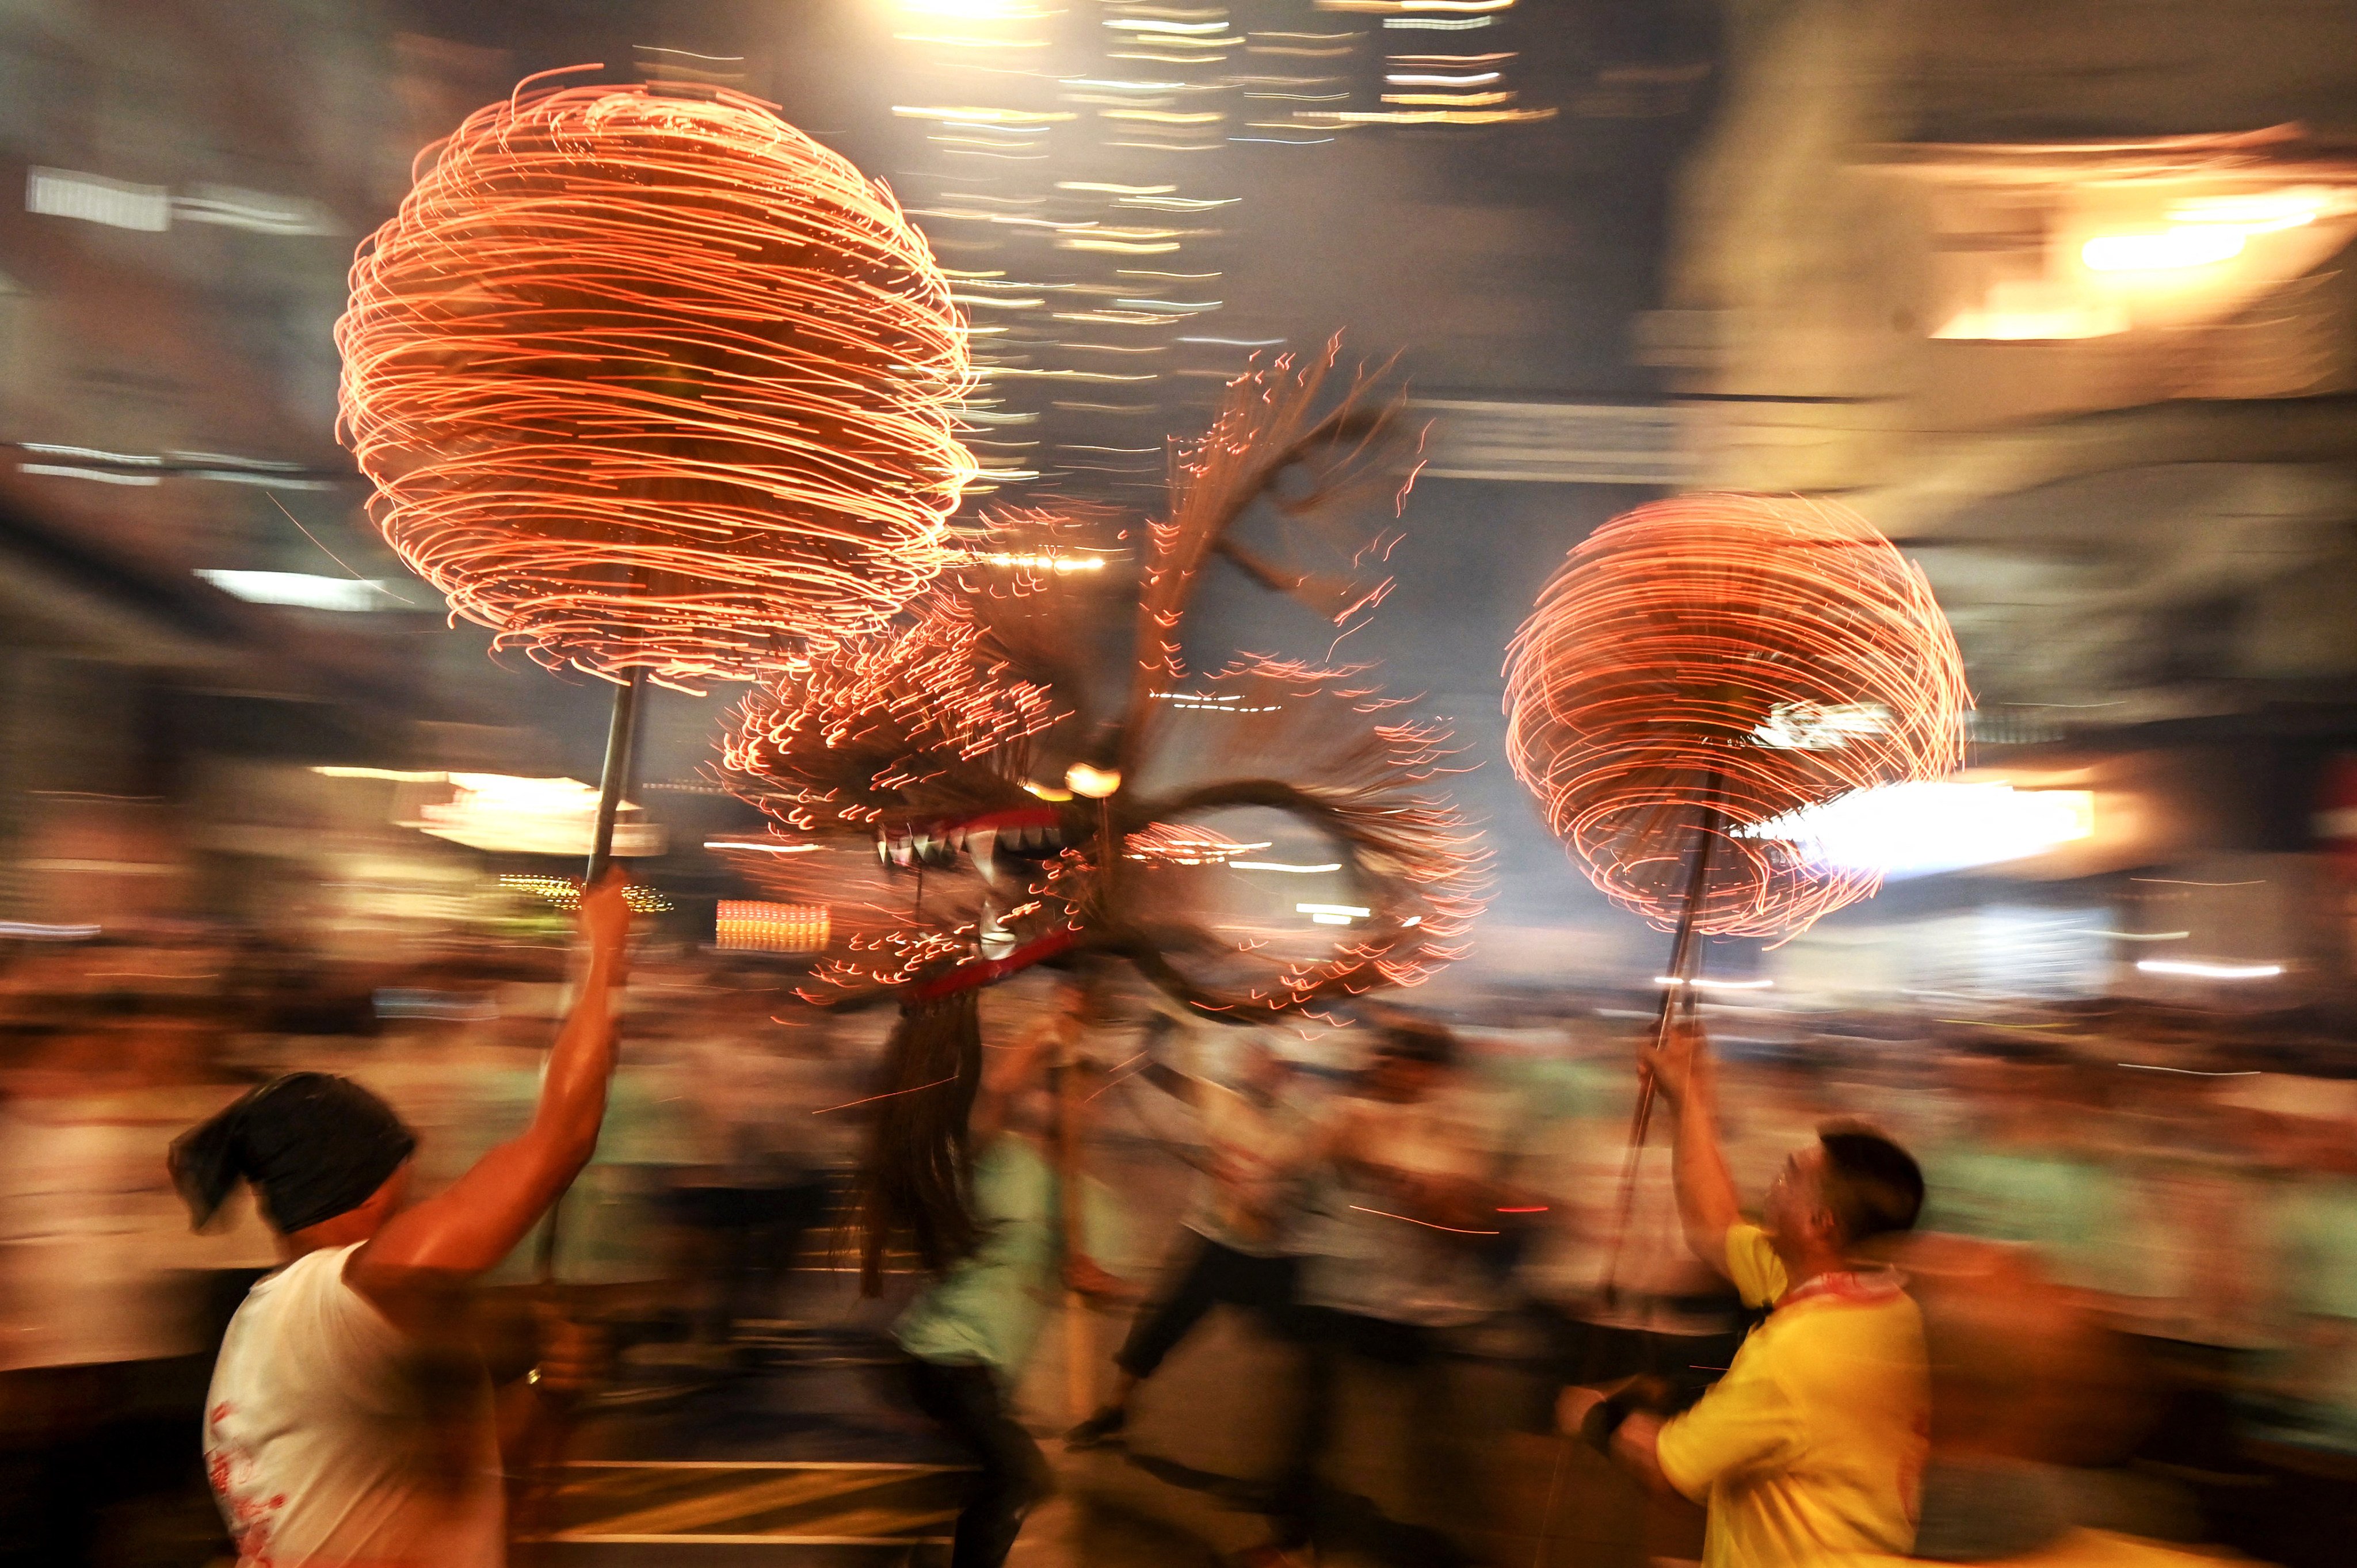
x=2057 y=295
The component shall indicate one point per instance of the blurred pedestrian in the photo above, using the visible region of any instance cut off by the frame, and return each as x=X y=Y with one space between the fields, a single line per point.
x=972 y=1331
x=347 y=1423
x=1243 y=1227
x=1397 y=1266
x=1812 y=1445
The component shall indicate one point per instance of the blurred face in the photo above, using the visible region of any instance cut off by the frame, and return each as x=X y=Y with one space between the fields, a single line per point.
x=1401 y=1078
x=1263 y=1069
x=1795 y=1209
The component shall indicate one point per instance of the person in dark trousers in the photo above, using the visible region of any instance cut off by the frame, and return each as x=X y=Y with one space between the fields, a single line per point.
x=1410 y=1193
x=1258 y=1139
x=971 y=1332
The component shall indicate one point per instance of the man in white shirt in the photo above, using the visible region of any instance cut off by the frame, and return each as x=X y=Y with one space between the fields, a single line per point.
x=347 y=1423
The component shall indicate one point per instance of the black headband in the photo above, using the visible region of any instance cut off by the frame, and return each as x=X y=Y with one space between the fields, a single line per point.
x=313 y=1145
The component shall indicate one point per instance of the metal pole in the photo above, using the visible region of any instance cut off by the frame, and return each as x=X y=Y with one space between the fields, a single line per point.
x=613 y=782
x=1677 y=995
x=614 y=779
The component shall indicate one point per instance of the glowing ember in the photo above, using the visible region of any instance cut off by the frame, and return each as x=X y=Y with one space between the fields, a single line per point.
x=649 y=378
x=1721 y=661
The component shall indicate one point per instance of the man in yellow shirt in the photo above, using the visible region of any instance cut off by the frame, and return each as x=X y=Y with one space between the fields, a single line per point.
x=1811 y=1448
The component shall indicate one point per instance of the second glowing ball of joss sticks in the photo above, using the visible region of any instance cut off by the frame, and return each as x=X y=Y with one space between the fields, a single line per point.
x=1710 y=664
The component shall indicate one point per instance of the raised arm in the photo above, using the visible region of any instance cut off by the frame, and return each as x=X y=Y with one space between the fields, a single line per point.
x=1682 y=1074
x=469 y=1227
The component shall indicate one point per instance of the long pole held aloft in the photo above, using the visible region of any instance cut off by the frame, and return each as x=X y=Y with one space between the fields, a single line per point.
x=613 y=783
x=614 y=779
x=1677 y=995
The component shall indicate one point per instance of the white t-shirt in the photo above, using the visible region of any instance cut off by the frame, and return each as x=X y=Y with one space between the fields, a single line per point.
x=329 y=1440
x=1251 y=1201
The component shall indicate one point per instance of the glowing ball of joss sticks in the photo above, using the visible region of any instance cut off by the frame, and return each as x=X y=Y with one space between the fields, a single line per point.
x=1711 y=664
x=647 y=380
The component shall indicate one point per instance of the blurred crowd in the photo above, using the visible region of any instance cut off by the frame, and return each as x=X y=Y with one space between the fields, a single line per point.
x=2143 y=1258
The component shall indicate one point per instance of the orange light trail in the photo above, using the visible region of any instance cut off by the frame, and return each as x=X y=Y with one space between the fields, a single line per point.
x=647 y=379
x=1428 y=1225
x=893 y=1094
x=1765 y=652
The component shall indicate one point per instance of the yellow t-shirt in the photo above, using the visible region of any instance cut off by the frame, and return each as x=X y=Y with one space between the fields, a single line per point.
x=1811 y=1446
x=2079 y=1549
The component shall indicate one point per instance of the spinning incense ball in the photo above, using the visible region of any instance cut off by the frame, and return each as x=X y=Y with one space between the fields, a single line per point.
x=649 y=379
x=1702 y=667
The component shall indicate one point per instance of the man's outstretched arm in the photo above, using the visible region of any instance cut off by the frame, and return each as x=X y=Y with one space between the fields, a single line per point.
x=469 y=1226
x=1682 y=1074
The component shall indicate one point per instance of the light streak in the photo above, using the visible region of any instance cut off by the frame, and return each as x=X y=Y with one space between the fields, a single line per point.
x=654 y=382
x=1468 y=100
x=565 y=892
x=2196 y=970
x=2189 y=1071
x=1131 y=25
x=1636 y=689
x=1025 y=120
x=2189 y=882
x=1700 y=984
x=2187 y=245
x=67 y=471
x=393 y=775
x=763 y=846
x=300 y=590
x=893 y=1094
x=1344 y=910
x=1917 y=828
x=1281 y=866
x=1441 y=116
x=1478 y=79
x=1428 y=1225
x=1119 y=1076
x=323 y=548
x=54 y=449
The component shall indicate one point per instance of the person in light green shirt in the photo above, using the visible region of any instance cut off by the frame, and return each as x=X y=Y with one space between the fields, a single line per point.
x=970 y=1331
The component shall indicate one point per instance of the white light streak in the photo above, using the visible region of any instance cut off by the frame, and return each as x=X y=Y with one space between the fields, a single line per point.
x=2187 y=245
x=95 y=454
x=1916 y=829
x=66 y=472
x=94 y=198
x=300 y=590
x=2195 y=969
x=760 y=845
x=1672 y=980
x=1281 y=865
x=1342 y=911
